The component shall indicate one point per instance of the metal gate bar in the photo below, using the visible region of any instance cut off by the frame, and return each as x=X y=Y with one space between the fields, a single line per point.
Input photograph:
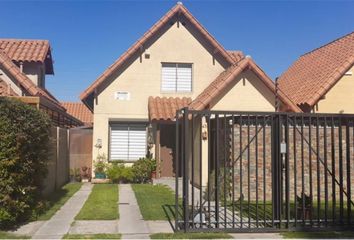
x=263 y=171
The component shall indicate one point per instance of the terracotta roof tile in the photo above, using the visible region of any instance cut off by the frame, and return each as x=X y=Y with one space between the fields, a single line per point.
x=25 y=50
x=79 y=111
x=177 y=9
x=210 y=96
x=163 y=108
x=28 y=51
x=316 y=72
x=10 y=68
x=6 y=90
x=236 y=55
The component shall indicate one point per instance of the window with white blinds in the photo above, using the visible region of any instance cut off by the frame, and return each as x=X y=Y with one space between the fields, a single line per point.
x=127 y=141
x=176 y=77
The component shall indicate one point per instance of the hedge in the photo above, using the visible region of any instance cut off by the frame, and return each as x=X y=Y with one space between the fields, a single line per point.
x=24 y=151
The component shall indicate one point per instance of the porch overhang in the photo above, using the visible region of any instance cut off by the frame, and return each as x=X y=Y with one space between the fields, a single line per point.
x=163 y=109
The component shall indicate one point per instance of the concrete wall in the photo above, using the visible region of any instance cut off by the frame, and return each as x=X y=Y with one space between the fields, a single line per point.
x=142 y=78
x=340 y=98
x=247 y=94
x=58 y=164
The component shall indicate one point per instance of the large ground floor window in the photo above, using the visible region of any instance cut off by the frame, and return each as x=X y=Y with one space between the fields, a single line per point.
x=127 y=141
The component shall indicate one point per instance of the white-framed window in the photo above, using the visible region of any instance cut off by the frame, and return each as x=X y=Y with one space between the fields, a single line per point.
x=176 y=77
x=127 y=141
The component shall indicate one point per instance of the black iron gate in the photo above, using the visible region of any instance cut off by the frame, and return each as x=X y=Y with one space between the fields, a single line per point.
x=254 y=171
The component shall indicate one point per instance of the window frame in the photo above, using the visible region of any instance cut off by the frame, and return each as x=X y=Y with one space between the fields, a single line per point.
x=176 y=67
x=110 y=123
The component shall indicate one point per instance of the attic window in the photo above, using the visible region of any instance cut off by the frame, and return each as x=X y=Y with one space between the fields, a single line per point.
x=122 y=95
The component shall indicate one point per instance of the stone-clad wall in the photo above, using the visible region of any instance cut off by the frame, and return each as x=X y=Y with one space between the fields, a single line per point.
x=260 y=150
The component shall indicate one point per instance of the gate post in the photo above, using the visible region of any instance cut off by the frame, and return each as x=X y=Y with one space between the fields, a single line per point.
x=186 y=155
x=276 y=169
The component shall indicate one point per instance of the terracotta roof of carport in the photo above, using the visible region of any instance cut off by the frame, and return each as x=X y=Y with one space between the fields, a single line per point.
x=164 y=109
x=316 y=72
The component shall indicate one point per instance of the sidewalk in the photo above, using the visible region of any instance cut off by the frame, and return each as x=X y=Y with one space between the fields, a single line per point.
x=59 y=224
x=131 y=224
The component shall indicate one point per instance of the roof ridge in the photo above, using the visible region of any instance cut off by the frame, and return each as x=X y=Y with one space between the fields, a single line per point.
x=23 y=39
x=329 y=43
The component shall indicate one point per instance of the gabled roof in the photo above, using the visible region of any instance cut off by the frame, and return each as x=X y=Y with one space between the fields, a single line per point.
x=164 y=109
x=175 y=12
x=79 y=111
x=210 y=96
x=24 y=50
x=32 y=89
x=316 y=72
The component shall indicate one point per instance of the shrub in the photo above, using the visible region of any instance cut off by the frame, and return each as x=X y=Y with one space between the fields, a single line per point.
x=117 y=172
x=143 y=168
x=24 y=150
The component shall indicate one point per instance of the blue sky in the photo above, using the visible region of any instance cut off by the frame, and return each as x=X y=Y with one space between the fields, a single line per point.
x=87 y=36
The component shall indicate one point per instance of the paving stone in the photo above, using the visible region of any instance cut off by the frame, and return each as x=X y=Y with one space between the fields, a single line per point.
x=131 y=223
x=60 y=223
x=159 y=227
x=94 y=227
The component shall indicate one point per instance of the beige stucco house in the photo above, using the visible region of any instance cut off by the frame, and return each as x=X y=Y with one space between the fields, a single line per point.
x=322 y=80
x=175 y=64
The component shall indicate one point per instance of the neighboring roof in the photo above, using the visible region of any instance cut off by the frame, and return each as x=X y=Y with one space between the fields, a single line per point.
x=23 y=50
x=6 y=90
x=32 y=89
x=178 y=9
x=210 y=95
x=316 y=72
x=163 y=108
x=80 y=111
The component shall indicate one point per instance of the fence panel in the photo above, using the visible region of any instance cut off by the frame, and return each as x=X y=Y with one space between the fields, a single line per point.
x=264 y=171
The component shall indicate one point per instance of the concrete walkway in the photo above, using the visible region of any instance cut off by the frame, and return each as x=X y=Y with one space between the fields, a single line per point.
x=59 y=224
x=131 y=224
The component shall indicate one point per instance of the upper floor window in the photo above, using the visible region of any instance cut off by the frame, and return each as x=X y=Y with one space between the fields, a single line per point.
x=176 y=77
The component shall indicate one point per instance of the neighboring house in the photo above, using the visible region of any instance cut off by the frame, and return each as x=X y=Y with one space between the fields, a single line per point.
x=175 y=64
x=23 y=67
x=322 y=80
x=80 y=111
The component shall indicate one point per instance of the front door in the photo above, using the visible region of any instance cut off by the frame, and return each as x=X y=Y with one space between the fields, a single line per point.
x=167 y=149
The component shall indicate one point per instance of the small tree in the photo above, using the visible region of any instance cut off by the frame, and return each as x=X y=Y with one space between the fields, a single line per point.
x=24 y=150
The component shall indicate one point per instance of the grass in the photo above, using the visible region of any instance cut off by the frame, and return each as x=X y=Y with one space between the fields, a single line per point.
x=189 y=235
x=322 y=235
x=5 y=235
x=57 y=199
x=153 y=200
x=102 y=204
x=92 y=236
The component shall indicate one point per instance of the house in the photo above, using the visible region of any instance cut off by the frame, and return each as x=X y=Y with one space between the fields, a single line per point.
x=322 y=80
x=79 y=111
x=175 y=64
x=23 y=67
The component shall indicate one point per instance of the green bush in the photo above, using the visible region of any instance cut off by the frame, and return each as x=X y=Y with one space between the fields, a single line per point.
x=24 y=147
x=117 y=172
x=143 y=168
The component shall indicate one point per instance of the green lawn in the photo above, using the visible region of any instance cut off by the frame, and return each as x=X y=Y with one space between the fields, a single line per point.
x=5 y=235
x=57 y=199
x=152 y=199
x=322 y=235
x=189 y=235
x=102 y=204
x=92 y=236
